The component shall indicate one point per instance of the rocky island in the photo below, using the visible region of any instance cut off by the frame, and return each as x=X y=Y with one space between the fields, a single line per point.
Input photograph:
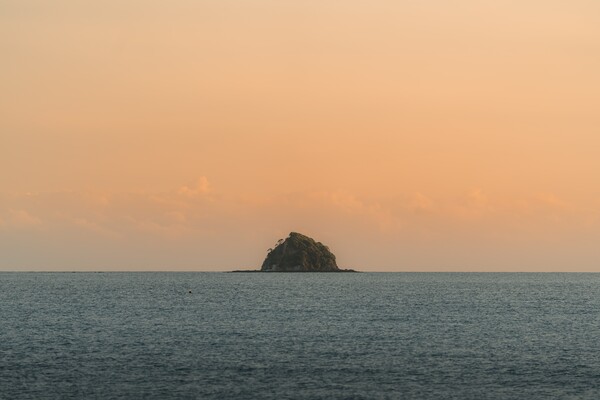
x=299 y=253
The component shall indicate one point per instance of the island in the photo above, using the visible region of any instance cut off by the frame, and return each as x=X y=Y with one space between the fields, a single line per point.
x=299 y=253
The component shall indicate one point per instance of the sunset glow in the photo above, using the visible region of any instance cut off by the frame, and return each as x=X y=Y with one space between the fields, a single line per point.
x=407 y=135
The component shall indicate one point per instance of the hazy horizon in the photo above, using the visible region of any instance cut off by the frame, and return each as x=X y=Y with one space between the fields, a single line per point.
x=406 y=136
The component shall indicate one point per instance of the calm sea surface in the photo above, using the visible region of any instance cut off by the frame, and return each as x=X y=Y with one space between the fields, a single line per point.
x=299 y=336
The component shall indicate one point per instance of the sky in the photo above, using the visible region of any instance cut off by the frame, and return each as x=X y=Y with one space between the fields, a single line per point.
x=406 y=135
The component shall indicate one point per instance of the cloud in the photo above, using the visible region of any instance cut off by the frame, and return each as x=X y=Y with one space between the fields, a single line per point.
x=476 y=198
x=95 y=228
x=474 y=204
x=551 y=201
x=167 y=231
x=420 y=203
x=193 y=210
x=22 y=219
x=199 y=220
x=176 y=217
x=200 y=187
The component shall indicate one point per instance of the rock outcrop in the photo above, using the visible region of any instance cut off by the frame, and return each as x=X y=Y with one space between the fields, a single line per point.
x=299 y=253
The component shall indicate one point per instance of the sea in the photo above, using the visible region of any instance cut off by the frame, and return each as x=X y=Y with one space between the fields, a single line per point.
x=299 y=336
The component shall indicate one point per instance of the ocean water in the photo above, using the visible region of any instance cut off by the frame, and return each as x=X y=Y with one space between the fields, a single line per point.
x=299 y=336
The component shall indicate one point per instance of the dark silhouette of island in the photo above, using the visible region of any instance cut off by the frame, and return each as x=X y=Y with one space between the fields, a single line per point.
x=299 y=253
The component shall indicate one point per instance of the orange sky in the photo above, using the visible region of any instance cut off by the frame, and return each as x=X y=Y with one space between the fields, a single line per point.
x=407 y=135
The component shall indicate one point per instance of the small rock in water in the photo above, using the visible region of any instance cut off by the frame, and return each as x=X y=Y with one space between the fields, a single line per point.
x=299 y=253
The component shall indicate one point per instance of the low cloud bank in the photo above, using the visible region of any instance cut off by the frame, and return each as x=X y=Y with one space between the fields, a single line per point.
x=196 y=227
